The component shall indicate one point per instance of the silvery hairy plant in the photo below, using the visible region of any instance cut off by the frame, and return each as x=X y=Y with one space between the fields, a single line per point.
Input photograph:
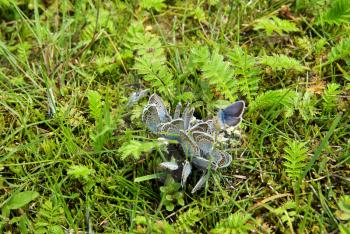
x=195 y=138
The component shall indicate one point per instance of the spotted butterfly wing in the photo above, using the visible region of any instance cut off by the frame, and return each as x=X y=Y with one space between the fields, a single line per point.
x=187 y=116
x=170 y=165
x=211 y=127
x=162 y=111
x=177 y=112
x=204 y=141
x=200 y=127
x=150 y=117
x=178 y=123
x=136 y=96
x=186 y=171
x=222 y=159
x=204 y=178
x=189 y=147
x=203 y=163
x=168 y=131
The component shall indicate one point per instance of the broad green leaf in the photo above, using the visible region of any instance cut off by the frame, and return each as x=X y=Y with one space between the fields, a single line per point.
x=21 y=199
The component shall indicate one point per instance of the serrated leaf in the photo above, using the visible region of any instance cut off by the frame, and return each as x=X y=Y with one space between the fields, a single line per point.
x=280 y=62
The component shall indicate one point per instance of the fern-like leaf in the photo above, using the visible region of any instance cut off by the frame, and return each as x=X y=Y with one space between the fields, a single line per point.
x=340 y=51
x=187 y=220
x=199 y=55
x=330 y=97
x=235 y=223
x=282 y=62
x=95 y=104
x=283 y=98
x=49 y=219
x=246 y=71
x=296 y=154
x=306 y=105
x=150 y=61
x=338 y=13
x=157 y=5
x=219 y=74
x=275 y=24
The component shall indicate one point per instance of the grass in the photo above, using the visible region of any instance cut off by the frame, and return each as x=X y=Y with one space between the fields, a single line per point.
x=74 y=157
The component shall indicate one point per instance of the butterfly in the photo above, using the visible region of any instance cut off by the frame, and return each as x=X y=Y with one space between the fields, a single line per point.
x=150 y=117
x=177 y=111
x=204 y=141
x=222 y=159
x=186 y=171
x=204 y=164
x=199 y=127
x=188 y=145
x=162 y=111
x=136 y=96
x=187 y=116
x=204 y=178
x=170 y=165
x=168 y=131
x=231 y=116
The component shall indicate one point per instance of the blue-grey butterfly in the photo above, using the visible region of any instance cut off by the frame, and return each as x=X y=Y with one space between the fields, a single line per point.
x=204 y=141
x=162 y=111
x=177 y=111
x=170 y=165
x=203 y=163
x=187 y=117
x=189 y=147
x=136 y=96
x=222 y=159
x=211 y=127
x=168 y=131
x=150 y=117
x=186 y=171
x=200 y=127
x=232 y=115
x=178 y=123
x=204 y=178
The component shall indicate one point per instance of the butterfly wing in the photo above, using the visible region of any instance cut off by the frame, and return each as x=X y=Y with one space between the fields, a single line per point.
x=170 y=165
x=203 y=163
x=150 y=117
x=186 y=171
x=162 y=111
x=235 y=110
x=222 y=159
x=189 y=147
x=187 y=116
x=204 y=141
x=178 y=123
x=177 y=112
x=204 y=178
x=168 y=131
x=211 y=127
x=136 y=96
x=200 y=127
x=231 y=115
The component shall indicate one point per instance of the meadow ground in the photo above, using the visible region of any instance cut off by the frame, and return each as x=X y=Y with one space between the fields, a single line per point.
x=74 y=156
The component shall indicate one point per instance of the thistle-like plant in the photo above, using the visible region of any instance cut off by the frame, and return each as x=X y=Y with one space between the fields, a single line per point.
x=196 y=138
